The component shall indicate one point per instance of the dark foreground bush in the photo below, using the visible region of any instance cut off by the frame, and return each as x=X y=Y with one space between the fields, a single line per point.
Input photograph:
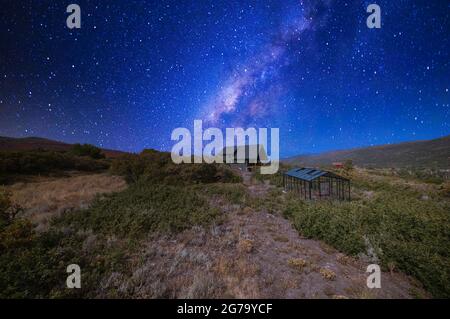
x=157 y=167
x=28 y=265
x=45 y=162
x=33 y=265
x=87 y=150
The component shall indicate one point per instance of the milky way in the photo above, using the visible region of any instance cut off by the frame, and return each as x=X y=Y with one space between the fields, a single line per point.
x=252 y=90
x=138 y=69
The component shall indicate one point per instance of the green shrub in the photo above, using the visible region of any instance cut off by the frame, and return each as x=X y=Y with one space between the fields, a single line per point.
x=348 y=165
x=35 y=265
x=445 y=190
x=45 y=162
x=87 y=150
x=27 y=262
x=8 y=210
x=430 y=176
x=142 y=209
x=130 y=166
x=231 y=192
x=157 y=167
x=5 y=205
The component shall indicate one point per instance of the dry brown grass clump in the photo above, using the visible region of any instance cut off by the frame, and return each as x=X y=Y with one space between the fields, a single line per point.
x=245 y=245
x=45 y=199
x=297 y=263
x=327 y=274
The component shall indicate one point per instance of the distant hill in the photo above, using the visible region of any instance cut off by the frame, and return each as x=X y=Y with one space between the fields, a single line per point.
x=429 y=153
x=34 y=143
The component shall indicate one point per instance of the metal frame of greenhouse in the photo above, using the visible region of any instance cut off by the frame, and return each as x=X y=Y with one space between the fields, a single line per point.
x=312 y=183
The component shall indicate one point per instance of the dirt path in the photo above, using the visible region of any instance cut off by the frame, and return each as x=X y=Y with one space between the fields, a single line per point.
x=294 y=267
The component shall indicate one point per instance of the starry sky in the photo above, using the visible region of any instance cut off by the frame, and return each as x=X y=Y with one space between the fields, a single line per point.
x=136 y=70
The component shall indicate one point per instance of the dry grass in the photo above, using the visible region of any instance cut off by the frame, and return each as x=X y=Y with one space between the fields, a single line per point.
x=280 y=238
x=297 y=263
x=241 y=277
x=245 y=245
x=327 y=274
x=43 y=200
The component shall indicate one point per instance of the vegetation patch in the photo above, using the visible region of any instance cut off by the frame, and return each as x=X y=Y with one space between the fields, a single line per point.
x=395 y=227
x=157 y=167
x=327 y=274
x=33 y=265
x=161 y=199
x=13 y=164
x=142 y=209
x=230 y=192
x=297 y=263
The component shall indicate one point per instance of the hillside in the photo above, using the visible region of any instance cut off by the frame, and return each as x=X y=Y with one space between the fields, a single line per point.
x=148 y=228
x=33 y=143
x=429 y=154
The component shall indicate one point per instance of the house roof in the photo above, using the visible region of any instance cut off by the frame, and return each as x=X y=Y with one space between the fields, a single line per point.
x=309 y=174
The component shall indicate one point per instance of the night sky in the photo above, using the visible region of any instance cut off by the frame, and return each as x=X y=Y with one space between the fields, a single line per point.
x=138 y=69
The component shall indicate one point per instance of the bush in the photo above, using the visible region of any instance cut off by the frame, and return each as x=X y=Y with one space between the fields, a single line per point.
x=430 y=176
x=348 y=165
x=28 y=267
x=232 y=192
x=87 y=150
x=8 y=210
x=34 y=264
x=142 y=209
x=130 y=166
x=396 y=227
x=157 y=167
x=445 y=190
x=45 y=162
x=5 y=205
